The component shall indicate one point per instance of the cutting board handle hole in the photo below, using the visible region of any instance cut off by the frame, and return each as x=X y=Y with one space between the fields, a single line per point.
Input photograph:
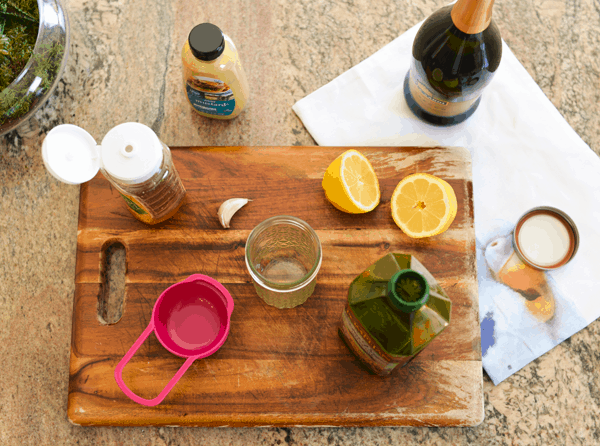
x=113 y=266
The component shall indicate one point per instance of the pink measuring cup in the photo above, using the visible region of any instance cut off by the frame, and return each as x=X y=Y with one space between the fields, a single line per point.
x=191 y=320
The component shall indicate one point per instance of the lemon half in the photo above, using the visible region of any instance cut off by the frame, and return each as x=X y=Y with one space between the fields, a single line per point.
x=350 y=183
x=423 y=205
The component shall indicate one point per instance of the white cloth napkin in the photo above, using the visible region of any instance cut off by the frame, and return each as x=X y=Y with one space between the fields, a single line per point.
x=524 y=155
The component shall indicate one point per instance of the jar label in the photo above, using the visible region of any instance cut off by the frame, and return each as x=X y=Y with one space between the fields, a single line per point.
x=210 y=96
x=134 y=204
x=433 y=102
x=137 y=209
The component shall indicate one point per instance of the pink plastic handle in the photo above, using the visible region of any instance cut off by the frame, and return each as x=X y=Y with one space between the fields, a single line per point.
x=161 y=396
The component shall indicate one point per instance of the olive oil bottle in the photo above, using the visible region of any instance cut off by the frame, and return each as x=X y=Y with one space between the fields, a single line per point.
x=395 y=309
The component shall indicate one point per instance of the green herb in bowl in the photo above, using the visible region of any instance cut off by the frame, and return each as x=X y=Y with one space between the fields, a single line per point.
x=34 y=39
x=19 y=23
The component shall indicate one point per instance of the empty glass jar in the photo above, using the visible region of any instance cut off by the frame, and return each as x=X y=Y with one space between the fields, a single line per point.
x=283 y=256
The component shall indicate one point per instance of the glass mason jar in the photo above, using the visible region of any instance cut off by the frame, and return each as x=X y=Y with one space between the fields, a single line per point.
x=38 y=80
x=283 y=256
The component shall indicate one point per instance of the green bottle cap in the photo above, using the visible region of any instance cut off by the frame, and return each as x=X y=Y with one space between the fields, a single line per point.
x=408 y=290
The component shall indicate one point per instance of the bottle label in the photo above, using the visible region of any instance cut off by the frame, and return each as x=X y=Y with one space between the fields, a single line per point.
x=365 y=348
x=433 y=102
x=209 y=95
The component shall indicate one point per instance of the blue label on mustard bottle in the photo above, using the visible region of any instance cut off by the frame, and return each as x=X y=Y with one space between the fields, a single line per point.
x=211 y=96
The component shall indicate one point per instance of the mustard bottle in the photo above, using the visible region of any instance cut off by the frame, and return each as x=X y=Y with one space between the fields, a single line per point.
x=213 y=78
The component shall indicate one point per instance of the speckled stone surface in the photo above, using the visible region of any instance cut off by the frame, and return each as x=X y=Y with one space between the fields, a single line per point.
x=125 y=66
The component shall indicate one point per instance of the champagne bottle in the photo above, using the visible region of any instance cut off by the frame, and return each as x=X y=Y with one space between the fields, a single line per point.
x=456 y=53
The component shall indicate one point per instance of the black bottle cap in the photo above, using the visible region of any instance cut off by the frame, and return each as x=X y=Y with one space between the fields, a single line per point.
x=206 y=41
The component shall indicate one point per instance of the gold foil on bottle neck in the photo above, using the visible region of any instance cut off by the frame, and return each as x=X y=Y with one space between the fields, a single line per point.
x=472 y=16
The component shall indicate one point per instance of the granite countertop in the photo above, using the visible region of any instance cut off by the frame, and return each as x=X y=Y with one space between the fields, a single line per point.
x=125 y=66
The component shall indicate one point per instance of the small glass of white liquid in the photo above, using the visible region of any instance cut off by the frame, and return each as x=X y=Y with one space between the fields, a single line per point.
x=546 y=238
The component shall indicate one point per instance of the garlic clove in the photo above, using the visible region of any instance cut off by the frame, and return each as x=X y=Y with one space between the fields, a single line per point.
x=497 y=252
x=230 y=207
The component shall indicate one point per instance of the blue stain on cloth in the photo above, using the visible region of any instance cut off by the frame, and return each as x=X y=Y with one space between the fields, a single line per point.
x=487 y=333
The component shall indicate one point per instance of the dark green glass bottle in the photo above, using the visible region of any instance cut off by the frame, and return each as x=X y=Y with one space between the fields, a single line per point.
x=456 y=53
x=395 y=309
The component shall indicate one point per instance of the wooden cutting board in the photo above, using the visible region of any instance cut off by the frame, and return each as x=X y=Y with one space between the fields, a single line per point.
x=277 y=367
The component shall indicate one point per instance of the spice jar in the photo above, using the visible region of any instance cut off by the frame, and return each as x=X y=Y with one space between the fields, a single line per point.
x=213 y=78
x=131 y=157
x=395 y=309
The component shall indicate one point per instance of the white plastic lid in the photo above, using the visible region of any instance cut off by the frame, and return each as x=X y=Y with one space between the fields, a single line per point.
x=70 y=154
x=131 y=152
